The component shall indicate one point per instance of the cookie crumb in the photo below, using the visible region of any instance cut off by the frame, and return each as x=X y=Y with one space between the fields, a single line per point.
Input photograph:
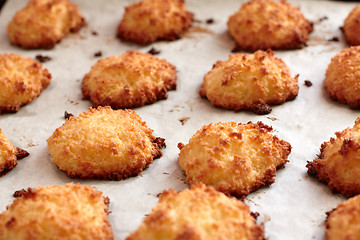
x=184 y=120
x=210 y=21
x=98 y=54
x=21 y=153
x=154 y=51
x=94 y=33
x=308 y=83
x=262 y=109
x=42 y=58
x=68 y=115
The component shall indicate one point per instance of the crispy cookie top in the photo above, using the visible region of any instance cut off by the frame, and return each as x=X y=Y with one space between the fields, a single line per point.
x=21 y=81
x=249 y=82
x=57 y=212
x=233 y=158
x=7 y=154
x=105 y=144
x=352 y=27
x=264 y=24
x=338 y=163
x=343 y=76
x=129 y=80
x=343 y=223
x=199 y=213
x=43 y=23
x=146 y=21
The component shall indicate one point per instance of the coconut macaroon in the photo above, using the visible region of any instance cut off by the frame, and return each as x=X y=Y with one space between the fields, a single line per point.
x=338 y=164
x=198 y=213
x=43 y=23
x=233 y=158
x=146 y=21
x=342 y=78
x=249 y=82
x=21 y=81
x=343 y=223
x=263 y=24
x=57 y=212
x=104 y=144
x=352 y=27
x=7 y=154
x=130 y=80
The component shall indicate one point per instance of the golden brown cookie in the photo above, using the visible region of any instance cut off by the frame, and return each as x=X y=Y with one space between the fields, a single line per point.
x=43 y=23
x=339 y=162
x=249 y=82
x=198 y=213
x=21 y=81
x=267 y=24
x=146 y=21
x=233 y=158
x=352 y=27
x=342 y=78
x=7 y=154
x=104 y=144
x=343 y=223
x=130 y=80
x=57 y=212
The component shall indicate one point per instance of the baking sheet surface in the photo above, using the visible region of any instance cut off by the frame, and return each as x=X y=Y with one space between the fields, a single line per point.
x=292 y=208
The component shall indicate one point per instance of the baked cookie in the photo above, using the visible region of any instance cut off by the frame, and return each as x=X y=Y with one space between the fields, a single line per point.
x=249 y=82
x=233 y=158
x=342 y=78
x=198 y=213
x=104 y=144
x=21 y=81
x=57 y=212
x=7 y=154
x=267 y=24
x=339 y=162
x=130 y=80
x=146 y=21
x=352 y=27
x=343 y=223
x=43 y=23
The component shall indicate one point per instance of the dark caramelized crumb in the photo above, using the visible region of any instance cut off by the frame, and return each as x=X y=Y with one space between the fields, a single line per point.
x=334 y=39
x=154 y=51
x=68 y=115
x=21 y=153
x=329 y=212
x=18 y=193
x=308 y=83
x=180 y=145
x=210 y=21
x=254 y=214
x=94 y=33
x=98 y=54
x=184 y=120
x=42 y=58
x=311 y=169
x=262 y=109
x=160 y=142
x=29 y=193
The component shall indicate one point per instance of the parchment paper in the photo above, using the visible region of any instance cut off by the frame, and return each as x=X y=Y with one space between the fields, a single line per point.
x=292 y=208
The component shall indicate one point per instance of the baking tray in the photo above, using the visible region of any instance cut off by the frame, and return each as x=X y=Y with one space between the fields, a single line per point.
x=292 y=208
